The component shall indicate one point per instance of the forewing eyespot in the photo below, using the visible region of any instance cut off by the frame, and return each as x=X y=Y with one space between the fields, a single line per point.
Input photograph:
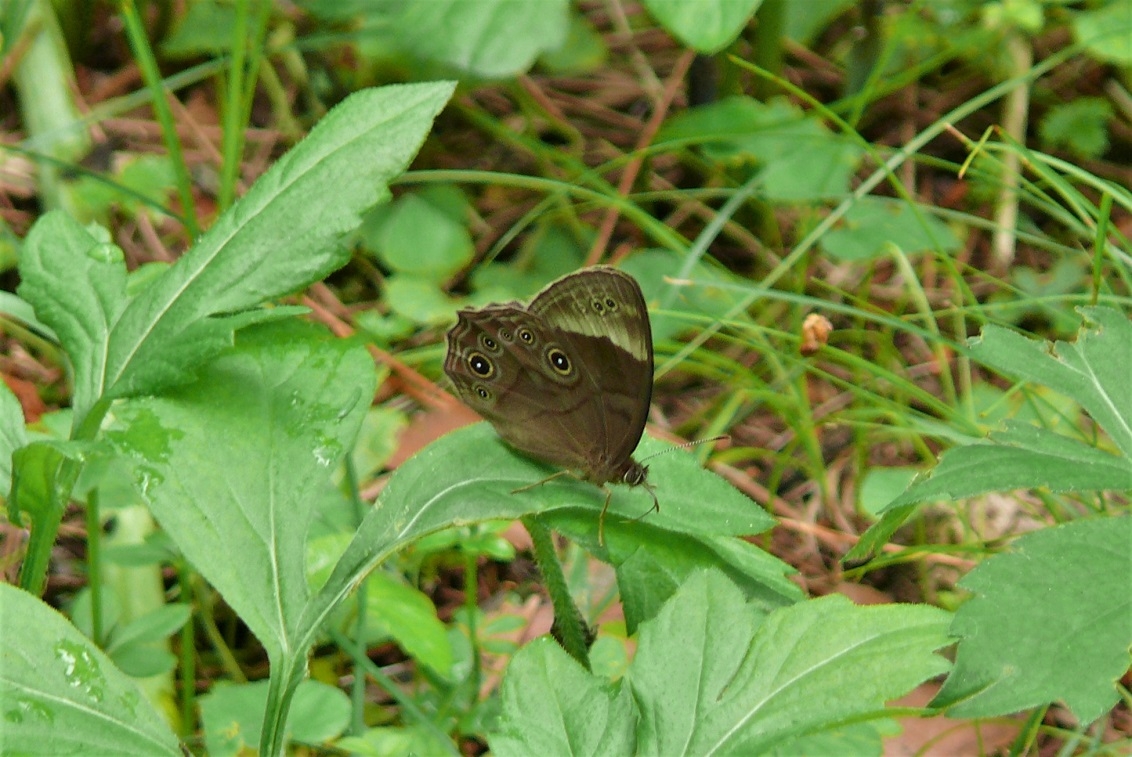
x=559 y=361
x=480 y=365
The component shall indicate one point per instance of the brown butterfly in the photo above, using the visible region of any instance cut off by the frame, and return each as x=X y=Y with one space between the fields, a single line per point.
x=566 y=379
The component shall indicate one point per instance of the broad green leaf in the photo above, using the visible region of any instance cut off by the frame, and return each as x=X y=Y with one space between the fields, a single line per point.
x=489 y=38
x=582 y=52
x=154 y=626
x=1081 y=125
x=12 y=306
x=468 y=477
x=283 y=235
x=205 y=28
x=64 y=696
x=706 y=26
x=232 y=716
x=854 y=739
x=418 y=299
x=420 y=239
x=799 y=159
x=1093 y=370
x=1021 y=456
x=880 y=486
x=713 y=675
x=267 y=422
x=552 y=705
x=653 y=563
x=13 y=434
x=408 y=616
x=1107 y=32
x=872 y=225
x=392 y=741
x=77 y=286
x=1050 y=620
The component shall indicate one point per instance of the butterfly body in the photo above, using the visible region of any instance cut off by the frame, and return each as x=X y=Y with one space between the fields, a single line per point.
x=566 y=379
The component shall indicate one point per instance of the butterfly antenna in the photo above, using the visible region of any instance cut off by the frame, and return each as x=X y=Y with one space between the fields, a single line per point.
x=685 y=445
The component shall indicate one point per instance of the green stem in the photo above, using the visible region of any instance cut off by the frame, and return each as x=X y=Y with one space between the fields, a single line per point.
x=94 y=563
x=228 y=660
x=188 y=655
x=567 y=619
x=280 y=693
x=358 y=690
x=471 y=608
x=409 y=708
x=139 y=43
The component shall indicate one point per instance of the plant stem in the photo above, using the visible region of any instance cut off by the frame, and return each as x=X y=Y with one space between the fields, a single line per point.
x=567 y=619
x=94 y=563
x=188 y=655
x=358 y=650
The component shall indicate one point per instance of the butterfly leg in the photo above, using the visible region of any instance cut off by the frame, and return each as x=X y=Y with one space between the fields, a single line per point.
x=655 y=502
x=540 y=483
x=601 y=518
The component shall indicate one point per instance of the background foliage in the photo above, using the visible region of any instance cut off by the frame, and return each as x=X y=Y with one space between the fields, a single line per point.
x=884 y=248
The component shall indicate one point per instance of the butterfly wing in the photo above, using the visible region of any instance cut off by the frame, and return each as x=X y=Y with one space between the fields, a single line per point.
x=566 y=380
x=502 y=376
x=600 y=316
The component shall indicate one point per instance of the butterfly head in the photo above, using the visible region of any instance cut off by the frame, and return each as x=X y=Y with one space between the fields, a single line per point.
x=635 y=474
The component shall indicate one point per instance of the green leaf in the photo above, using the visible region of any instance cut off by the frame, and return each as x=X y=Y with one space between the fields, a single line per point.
x=418 y=299
x=409 y=617
x=714 y=675
x=141 y=660
x=653 y=563
x=268 y=422
x=1094 y=370
x=232 y=715
x=468 y=477
x=882 y=485
x=1051 y=619
x=489 y=38
x=582 y=52
x=79 y=291
x=706 y=26
x=13 y=434
x=1080 y=125
x=552 y=705
x=283 y=235
x=1107 y=32
x=421 y=239
x=154 y=626
x=205 y=28
x=799 y=159
x=872 y=225
x=1021 y=457
x=64 y=696
x=21 y=310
